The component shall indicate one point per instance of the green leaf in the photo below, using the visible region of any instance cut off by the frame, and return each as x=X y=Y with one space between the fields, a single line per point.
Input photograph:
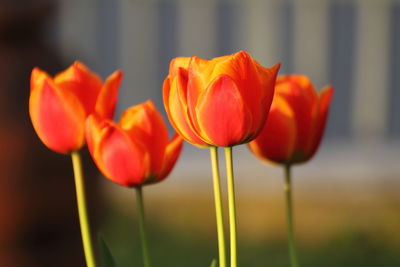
x=107 y=259
x=214 y=263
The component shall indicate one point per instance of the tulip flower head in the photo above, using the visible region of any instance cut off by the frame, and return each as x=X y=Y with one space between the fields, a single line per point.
x=295 y=123
x=218 y=102
x=59 y=106
x=136 y=150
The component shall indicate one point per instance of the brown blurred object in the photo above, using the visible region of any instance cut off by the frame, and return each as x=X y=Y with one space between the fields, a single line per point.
x=38 y=216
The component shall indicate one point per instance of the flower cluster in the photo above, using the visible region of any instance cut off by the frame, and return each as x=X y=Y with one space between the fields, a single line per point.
x=222 y=102
x=133 y=152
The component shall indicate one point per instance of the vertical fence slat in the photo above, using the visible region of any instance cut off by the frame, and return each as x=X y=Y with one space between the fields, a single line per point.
x=371 y=70
x=138 y=57
x=311 y=39
x=197 y=28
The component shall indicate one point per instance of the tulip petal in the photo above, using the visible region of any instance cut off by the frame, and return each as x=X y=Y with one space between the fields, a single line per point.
x=202 y=72
x=58 y=117
x=196 y=83
x=177 y=63
x=122 y=160
x=324 y=103
x=93 y=132
x=143 y=122
x=83 y=83
x=267 y=79
x=277 y=139
x=301 y=95
x=107 y=98
x=222 y=115
x=178 y=113
x=172 y=153
x=177 y=110
x=38 y=77
x=242 y=69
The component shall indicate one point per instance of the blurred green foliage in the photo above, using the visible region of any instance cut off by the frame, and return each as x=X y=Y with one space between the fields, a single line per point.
x=183 y=248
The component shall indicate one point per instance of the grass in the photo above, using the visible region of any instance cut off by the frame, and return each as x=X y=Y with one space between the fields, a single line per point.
x=188 y=247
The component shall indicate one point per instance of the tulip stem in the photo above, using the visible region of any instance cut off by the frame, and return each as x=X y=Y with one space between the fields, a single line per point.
x=82 y=210
x=218 y=206
x=289 y=217
x=142 y=228
x=232 y=207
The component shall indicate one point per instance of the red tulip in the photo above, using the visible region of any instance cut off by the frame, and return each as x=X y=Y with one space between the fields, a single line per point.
x=295 y=123
x=135 y=151
x=218 y=102
x=59 y=106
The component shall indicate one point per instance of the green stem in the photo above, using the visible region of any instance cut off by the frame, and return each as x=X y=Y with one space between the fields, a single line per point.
x=82 y=210
x=142 y=228
x=231 y=201
x=218 y=206
x=289 y=217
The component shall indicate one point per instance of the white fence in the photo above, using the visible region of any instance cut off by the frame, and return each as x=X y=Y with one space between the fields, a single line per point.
x=350 y=44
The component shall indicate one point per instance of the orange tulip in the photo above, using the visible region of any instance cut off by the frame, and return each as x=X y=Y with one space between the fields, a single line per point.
x=135 y=151
x=59 y=106
x=295 y=123
x=218 y=102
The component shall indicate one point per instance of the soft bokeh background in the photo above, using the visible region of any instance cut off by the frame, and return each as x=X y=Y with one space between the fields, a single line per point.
x=347 y=198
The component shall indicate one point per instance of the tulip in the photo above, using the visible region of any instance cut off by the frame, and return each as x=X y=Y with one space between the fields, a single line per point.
x=295 y=123
x=292 y=133
x=218 y=102
x=135 y=151
x=59 y=106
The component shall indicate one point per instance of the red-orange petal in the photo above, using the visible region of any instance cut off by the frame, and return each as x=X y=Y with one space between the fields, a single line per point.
x=145 y=124
x=121 y=159
x=107 y=98
x=177 y=110
x=166 y=90
x=82 y=82
x=301 y=95
x=176 y=64
x=277 y=139
x=241 y=67
x=199 y=73
x=172 y=153
x=93 y=131
x=324 y=103
x=203 y=72
x=38 y=77
x=267 y=78
x=58 y=117
x=223 y=117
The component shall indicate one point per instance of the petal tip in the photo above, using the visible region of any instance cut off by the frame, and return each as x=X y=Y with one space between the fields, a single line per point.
x=118 y=74
x=277 y=66
x=327 y=93
x=79 y=64
x=149 y=104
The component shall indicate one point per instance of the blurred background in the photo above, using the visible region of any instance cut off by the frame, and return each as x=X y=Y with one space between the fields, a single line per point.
x=347 y=201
